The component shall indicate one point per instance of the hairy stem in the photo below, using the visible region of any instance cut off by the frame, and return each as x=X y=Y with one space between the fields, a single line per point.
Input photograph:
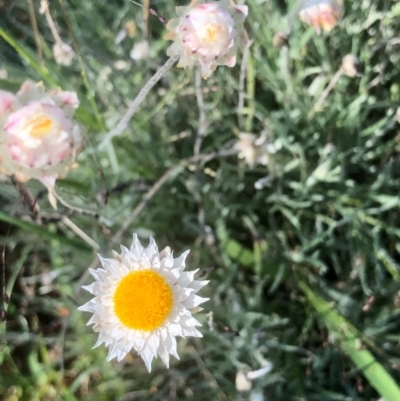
x=123 y=123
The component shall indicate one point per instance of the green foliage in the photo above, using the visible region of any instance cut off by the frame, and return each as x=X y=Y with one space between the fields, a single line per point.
x=318 y=229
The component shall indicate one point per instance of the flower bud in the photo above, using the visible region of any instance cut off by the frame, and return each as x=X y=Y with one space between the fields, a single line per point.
x=253 y=149
x=63 y=54
x=208 y=34
x=140 y=51
x=351 y=66
x=280 y=39
x=321 y=14
x=38 y=137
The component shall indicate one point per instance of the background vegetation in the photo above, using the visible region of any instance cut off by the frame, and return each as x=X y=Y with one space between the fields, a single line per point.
x=303 y=254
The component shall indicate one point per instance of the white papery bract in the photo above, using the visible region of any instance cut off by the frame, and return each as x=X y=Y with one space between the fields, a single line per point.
x=142 y=301
x=208 y=34
x=38 y=136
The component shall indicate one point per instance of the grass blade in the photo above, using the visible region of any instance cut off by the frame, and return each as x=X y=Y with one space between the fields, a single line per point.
x=350 y=341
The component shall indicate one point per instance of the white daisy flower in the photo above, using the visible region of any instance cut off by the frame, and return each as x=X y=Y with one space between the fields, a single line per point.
x=143 y=300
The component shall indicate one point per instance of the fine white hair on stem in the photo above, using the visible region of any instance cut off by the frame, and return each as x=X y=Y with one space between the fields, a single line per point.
x=123 y=123
x=242 y=92
x=45 y=9
x=202 y=125
x=80 y=233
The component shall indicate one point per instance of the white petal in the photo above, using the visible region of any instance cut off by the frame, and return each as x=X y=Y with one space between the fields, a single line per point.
x=186 y=278
x=128 y=258
x=161 y=341
x=88 y=288
x=88 y=306
x=152 y=248
x=116 y=256
x=180 y=262
x=136 y=247
x=164 y=355
x=97 y=273
x=194 y=300
x=197 y=285
x=147 y=356
x=109 y=264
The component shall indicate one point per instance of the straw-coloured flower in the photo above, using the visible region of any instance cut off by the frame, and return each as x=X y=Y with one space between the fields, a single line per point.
x=321 y=14
x=254 y=149
x=207 y=33
x=38 y=137
x=143 y=300
x=63 y=53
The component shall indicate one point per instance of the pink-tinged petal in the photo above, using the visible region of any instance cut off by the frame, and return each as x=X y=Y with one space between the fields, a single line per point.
x=231 y=61
x=322 y=14
x=30 y=91
x=48 y=181
x=6 y=101
x=208 y=34
x=243 y=9
x=40 y=140
x=26 y=87
x=69 y=99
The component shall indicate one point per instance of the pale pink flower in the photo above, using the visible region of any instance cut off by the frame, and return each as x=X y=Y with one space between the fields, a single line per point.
x=38 y=137
x=208 y=34
x=321 y=14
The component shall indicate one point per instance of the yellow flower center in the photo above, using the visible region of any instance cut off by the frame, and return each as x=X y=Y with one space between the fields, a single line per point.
x=143 y=300
x=211 y=33
x=40 y=126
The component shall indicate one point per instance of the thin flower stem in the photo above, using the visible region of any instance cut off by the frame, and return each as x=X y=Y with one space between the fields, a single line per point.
x=123 y=123
x=202 y=125
x=50 y=22
x=35 y=29
x=326 y=92
x=285 y=68
x=160 y=182
x=242 y=92
x=80 y=233
x=90 y=92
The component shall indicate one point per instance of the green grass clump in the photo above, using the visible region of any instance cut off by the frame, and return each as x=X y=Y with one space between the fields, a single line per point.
x=303 y=254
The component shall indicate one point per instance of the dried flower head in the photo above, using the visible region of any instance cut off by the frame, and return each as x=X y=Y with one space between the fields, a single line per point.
x=38 y=137
x=351 y=66
x=143 y=300
x=140 y=50
x=208 y=34
x=321 y=14
x=280 y=39
x=254 y=149
x=63 y=53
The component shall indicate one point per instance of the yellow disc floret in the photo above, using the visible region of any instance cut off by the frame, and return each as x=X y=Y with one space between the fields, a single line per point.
x=143 y=300
x=40 y=126
x=211 y=33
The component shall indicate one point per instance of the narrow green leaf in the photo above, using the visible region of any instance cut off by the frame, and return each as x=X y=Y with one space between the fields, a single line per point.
x=25 y=54
x=29 y=227
x=350 y=340
x=234 y=250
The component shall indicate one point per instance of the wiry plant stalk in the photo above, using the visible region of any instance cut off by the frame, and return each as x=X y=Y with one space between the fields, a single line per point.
x=326 y=92
x=202 y=125
x=123 y=123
